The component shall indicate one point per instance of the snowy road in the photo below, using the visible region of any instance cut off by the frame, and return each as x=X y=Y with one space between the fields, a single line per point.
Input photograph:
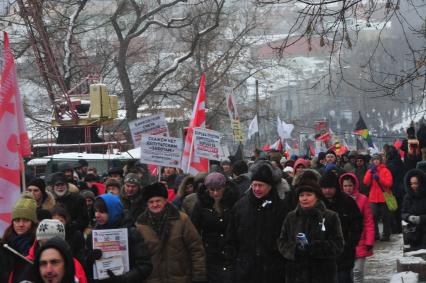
x=382 y=265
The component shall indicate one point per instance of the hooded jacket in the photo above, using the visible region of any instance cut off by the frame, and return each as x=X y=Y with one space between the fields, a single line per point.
x=316 y=263
x=415 y=204
x=385 y=182
x=350 y=219
x=367 y=235
x=63 y=248
x=75 y=205
x=139 y=259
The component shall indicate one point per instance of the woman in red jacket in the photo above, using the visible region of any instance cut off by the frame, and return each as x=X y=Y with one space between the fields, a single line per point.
x=350 y=185
x=379 y=179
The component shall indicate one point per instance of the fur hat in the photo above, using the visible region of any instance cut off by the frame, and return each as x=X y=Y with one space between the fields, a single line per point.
x=239 y=167
x=110 y=182
x=329 y=180
x=49 y=228
x=154 y=190
x=91 y=178
x=26 y=208
x=309 y=186
x=263 y=171
x=58 y=178
x=215 y=180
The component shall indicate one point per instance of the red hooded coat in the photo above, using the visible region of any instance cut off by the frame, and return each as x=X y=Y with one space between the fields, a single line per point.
x=367 y=236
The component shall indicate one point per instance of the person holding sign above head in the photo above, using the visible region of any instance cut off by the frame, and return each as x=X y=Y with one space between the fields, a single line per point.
x=109 y=214
x=174 y=244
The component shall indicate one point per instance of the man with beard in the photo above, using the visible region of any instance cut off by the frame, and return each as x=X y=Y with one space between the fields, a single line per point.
x=74 y=203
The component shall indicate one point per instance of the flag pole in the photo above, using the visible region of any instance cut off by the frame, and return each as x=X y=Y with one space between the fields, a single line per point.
x=190 y=150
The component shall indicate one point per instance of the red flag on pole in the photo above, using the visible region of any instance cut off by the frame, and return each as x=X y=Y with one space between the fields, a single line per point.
x=14 y=142
x=190 y=163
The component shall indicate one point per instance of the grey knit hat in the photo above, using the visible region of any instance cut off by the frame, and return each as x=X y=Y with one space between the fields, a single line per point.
x=49 y=228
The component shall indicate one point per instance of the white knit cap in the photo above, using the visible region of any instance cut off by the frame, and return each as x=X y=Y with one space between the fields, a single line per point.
x=49 y=228
x=288 y=169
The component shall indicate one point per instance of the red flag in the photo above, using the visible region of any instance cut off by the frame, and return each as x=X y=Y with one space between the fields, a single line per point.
x=311 y=150
x=324 y=137
x=14 y=142
x=266 y=147
x=190 y=163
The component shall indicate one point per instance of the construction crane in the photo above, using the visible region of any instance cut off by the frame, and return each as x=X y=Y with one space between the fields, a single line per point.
x=75 y=115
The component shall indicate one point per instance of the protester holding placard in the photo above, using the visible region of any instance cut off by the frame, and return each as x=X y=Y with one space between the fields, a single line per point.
x=173 y=242
x=110 y=215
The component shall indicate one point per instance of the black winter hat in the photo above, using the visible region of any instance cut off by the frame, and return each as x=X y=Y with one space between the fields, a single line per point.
x=39 y=183
x=329 y=180
x=58 y=178
x=330 y=151
x=115 y=170
x=83 y=162
x=321 y=155
x=91 y=178
x=239 y=167
x=263 y=173
x=154 y=190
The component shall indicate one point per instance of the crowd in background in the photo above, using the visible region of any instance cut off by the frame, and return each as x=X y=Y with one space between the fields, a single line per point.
x=269 y=218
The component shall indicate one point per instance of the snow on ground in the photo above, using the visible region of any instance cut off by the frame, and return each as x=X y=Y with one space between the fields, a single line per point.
x=380 y=267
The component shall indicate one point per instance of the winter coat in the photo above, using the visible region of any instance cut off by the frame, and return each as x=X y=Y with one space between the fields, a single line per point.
x=360 y=174
x=212 y=228
x=180 y=195
x=139 y=259
x=243 y=183
x=385 y=182
x=397 y=169
x=253 y=230
x=188 y=203
x=76 y=207
x=135 y=205
x=415 y=204
x=367 y=236
x=351 y=222
x=13 y=268
x=179 y=257
x=49 y=202
x=317 y=263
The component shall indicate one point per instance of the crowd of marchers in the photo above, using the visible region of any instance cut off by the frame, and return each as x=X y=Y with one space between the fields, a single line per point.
x=263 y=220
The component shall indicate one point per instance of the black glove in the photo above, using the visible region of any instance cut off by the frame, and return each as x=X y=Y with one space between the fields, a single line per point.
x=93 y=255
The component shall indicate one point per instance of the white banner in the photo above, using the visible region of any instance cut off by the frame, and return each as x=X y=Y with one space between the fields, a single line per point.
x=154 y=125
x=161 y=151
x=206 y=144
x=115 y=252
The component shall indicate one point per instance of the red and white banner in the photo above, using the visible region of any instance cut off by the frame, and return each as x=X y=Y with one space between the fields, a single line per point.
x=14 y=142
x=190 y=163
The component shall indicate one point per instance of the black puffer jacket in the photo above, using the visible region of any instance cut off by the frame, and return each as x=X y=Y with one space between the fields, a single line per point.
x=317 y=263
x=252 y=233
x=415 y=204
x=352 y=224
x=76 y=207
x=212 y=227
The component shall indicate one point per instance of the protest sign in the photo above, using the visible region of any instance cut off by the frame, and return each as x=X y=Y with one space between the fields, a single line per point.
x=154 y=125
x=115 y=252
x=206 y=144
x=161 y=151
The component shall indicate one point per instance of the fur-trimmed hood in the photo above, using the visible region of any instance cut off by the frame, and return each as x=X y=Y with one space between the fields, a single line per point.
x=421 y=190
x=187 y=180
x=49 y=202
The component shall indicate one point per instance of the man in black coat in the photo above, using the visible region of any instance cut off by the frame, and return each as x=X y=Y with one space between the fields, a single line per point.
x=351 y=220
x=74 y=203
x=254 y=227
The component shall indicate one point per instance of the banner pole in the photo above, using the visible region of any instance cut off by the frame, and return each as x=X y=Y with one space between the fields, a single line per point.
x=190 y=149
